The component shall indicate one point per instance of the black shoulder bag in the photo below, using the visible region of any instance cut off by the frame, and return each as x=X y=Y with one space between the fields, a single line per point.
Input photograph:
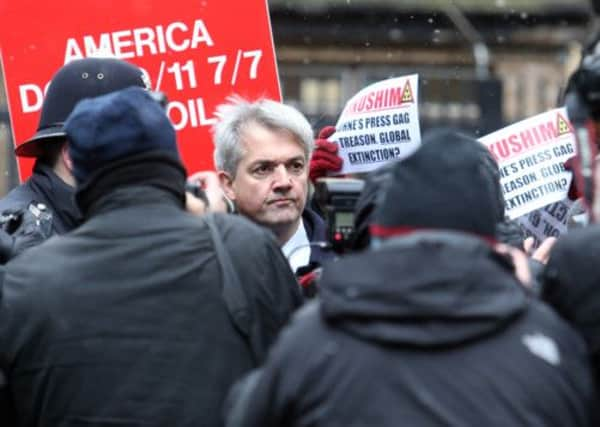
x=233 y=293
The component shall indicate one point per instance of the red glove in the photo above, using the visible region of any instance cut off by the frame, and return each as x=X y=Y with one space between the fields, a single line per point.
x=574 y=192
x=325 y=158
x=309 y=282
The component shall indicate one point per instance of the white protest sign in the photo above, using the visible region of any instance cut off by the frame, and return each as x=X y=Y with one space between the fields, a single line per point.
x=550 y=221
x=379 y=124
x=531 y=156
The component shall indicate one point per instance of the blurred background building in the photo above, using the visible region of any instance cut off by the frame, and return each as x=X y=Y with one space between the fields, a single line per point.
x=482 y=63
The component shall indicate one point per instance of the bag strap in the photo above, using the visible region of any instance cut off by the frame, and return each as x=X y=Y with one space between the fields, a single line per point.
x=232 y=291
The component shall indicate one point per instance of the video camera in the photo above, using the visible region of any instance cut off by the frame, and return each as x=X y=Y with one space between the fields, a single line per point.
x=337 y=198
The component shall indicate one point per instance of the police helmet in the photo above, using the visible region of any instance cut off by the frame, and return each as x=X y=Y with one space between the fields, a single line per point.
x=79 y=79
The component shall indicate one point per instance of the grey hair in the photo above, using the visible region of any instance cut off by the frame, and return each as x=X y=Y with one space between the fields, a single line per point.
x=237 y=112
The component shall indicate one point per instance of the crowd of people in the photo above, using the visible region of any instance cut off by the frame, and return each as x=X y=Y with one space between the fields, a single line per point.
x=136 y=293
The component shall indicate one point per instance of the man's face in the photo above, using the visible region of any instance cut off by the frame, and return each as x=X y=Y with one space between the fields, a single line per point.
x=271 y=181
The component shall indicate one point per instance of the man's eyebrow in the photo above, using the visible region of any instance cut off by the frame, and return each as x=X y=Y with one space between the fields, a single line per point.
x=262 y=162
x=293 y=159
x=274 y=162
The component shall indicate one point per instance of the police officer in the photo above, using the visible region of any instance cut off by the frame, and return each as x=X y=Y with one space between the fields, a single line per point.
x=49 y=191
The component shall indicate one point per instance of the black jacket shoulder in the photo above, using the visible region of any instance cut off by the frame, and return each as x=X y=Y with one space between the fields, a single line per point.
x=435 y=332
x=18 y=198
x=131 y=302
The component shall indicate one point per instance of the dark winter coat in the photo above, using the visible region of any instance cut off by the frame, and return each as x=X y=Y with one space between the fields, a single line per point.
x=44 y=186
x=570 y=285
x=122 y=322
x=317 y=233
x=429 y=330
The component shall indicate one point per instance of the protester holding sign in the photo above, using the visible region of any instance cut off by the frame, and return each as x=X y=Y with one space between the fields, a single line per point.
x=378 y=125
x=392 y=98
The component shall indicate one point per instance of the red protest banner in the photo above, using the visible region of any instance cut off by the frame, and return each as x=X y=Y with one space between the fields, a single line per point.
x=197 y=53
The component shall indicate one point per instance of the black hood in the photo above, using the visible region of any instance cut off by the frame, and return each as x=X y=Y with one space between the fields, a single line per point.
x=428 y=289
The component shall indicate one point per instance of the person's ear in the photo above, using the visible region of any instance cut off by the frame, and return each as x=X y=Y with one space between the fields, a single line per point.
x=226 y=182
x=66 y=157
x=63 y=165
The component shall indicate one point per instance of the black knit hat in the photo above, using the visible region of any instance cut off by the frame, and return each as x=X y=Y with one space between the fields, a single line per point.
x=121 y=124
x=77 y=80
x=364 y=210
x=445 y=184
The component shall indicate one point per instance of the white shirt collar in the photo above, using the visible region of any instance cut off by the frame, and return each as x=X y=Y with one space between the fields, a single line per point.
x=297 y=248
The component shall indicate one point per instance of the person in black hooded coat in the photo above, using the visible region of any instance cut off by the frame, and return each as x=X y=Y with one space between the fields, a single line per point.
x=429 y=327
x=124 y=321
x=570 y=286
